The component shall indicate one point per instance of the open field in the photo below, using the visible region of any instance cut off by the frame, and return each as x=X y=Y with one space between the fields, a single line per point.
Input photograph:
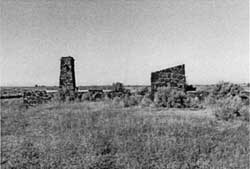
x=100 y=135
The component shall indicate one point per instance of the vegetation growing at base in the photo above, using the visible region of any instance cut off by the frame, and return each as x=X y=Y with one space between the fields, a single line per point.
x=170 y=97
x=224 y=98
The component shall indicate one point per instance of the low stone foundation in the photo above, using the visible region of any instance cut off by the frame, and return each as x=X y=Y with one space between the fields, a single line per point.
x=31 y=98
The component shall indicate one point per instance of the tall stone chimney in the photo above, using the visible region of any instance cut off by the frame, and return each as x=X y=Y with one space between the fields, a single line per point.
x=67 y=83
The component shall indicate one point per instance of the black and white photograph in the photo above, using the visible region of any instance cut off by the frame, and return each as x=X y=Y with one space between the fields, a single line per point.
x=124 y=84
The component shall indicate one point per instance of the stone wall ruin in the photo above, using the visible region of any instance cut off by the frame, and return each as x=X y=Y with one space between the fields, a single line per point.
x=173 y=77
x=34 y=97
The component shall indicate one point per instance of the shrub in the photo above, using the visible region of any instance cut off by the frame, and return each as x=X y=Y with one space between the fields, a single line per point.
x=245 y=113
x=116 y=101
x=131 y=100
x=225 y=89
x=225 y=98
x=228 y=108
x=210 y=100
x=170 y=97
x=223 y=94
x=160 y=97
x=146 y=101
x=193 y=103
x=85 y=97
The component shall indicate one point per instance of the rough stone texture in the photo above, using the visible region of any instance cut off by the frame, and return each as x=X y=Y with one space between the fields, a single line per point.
x=67 y=84
x=31 y=98
x=170 y=77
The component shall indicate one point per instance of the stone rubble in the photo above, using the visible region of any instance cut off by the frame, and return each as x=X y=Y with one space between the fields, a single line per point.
x=31 y=98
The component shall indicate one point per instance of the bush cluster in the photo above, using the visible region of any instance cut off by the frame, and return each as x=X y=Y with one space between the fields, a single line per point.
x=226 y=102
x=133 y=100
x=223 y=97
x=170 y=97
x=225 y=89
x=231 y=108
x=164 y=97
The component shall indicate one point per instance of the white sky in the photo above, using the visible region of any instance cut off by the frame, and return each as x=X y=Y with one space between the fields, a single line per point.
x=124 y=40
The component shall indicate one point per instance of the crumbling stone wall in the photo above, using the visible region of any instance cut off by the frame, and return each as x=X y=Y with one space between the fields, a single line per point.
x=31 y=98
x=67 y=84
x=170 y=77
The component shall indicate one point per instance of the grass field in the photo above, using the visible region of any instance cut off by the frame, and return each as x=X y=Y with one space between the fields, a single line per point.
x=100 y=135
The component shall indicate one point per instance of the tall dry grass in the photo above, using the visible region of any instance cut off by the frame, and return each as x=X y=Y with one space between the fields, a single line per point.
x=102 y=136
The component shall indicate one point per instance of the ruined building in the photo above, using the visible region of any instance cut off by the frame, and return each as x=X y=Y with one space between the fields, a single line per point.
x=34 y=97
x=170 y=77
x=67 y=84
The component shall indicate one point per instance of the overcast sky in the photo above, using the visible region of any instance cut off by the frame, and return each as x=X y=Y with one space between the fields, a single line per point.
x=124 y=40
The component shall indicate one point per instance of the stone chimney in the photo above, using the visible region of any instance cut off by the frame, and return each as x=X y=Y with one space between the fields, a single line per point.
x=67 y=83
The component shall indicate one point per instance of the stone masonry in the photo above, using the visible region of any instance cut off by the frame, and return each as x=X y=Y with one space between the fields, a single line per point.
x=170 y=77
x=67 y=84
x=34 y=97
